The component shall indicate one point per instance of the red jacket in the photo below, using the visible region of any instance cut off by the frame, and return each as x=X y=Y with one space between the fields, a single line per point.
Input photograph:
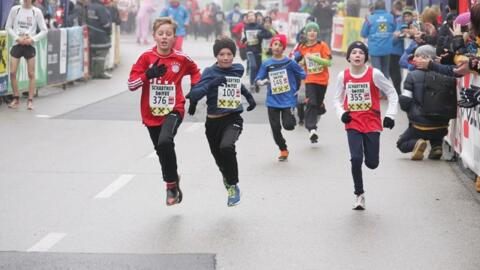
x=178 y=65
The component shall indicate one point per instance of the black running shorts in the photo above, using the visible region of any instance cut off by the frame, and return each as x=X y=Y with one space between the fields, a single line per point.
x=19 y=51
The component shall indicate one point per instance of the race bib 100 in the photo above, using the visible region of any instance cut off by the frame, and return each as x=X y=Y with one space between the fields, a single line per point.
x=279 y=81
x=162 y=98
x=229 y=95
x=312 y=66
x=359 y=97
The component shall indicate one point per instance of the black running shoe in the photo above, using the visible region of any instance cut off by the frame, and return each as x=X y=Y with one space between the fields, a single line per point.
x=174 y=194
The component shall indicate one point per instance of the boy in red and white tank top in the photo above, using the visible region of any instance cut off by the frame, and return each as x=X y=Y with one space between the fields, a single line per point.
x=357 y=102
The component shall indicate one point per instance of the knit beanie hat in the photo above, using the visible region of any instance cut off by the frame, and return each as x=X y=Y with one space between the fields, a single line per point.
x=281 y=38
x=312 y=25
x=222 y=43
x=357 y=45
x=426 y=50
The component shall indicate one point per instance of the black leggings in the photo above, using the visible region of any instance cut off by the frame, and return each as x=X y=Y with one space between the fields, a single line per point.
x=222 y=133
x=361 y=144
x=287 y=120
x=162 y=139
x=315 y=94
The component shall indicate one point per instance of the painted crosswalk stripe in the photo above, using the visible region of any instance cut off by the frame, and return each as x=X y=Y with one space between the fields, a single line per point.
x=47 y=242
x=115 y=186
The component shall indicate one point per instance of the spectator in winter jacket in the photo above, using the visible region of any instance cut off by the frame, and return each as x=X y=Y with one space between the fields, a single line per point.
x=99 y=25
x=397 y=48
x=421 y=128
x=323 y=13
x=379 y=28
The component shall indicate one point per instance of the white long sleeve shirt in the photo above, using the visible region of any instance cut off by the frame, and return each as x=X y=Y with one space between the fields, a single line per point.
x=24 y=22
x=382 y=83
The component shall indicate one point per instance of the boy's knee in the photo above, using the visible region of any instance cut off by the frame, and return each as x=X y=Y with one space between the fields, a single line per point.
x=371 y=164
x=227 y=149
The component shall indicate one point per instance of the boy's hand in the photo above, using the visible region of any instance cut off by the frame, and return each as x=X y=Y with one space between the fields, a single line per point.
x=346 y=118
x=251 y=103
x=156 y=70
x=422 y=63
x=215 y=82
x=192 y=107
x=388 y=122
x=262 y=82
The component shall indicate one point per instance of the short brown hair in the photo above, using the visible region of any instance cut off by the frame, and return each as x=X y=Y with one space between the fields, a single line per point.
x=164 y=20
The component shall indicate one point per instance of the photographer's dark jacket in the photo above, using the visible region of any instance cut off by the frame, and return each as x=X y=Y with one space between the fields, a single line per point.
x=99 y=25
x=411 y=101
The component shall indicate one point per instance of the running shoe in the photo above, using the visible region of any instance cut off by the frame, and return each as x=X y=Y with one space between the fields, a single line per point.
x=418 y=150
x=313 y=136
x=359 y=203
x=322 y=110
x=436 y=152
x=174 y=193
x=233 y=195
x=283 y=155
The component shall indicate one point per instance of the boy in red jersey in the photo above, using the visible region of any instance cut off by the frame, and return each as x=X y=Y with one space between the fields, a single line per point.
x=357 y=102
x=159 y=72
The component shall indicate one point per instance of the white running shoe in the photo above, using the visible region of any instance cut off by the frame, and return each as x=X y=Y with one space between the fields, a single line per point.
x=359 y=203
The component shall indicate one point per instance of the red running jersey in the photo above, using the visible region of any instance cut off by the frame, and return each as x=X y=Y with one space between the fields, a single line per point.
x=162 y=95
x=362 y=100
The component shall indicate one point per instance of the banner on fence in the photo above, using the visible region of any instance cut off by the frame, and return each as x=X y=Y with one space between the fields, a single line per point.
x=3 y=63
x=296 y=21
x=86 y=55
x=75 y=53
x=57 y=56
x=464 y=131
x=351 y=31
x=40 y=66
x=337 y=34
x=110 y=59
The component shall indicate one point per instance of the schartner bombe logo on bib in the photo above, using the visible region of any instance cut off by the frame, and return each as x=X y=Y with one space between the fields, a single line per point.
x=175 y=67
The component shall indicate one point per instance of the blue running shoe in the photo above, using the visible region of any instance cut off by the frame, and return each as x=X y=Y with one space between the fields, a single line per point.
x=233 y=195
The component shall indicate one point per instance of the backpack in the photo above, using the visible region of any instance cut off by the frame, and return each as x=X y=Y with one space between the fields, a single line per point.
x=440 y=96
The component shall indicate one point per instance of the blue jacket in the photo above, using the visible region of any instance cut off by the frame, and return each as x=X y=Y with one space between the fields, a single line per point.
x=179 y=15
x=398 y=43
x=406 y=54
x=378 y=28
x=200 y=89
x=294 y=72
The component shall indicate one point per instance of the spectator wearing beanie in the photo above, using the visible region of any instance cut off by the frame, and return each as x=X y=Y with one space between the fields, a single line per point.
x=282 y=75
x=379 y=28
x=421 y=128
x=221 y=84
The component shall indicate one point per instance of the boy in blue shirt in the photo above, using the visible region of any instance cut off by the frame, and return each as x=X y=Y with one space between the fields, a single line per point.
x=281 y=73
x=221 y=84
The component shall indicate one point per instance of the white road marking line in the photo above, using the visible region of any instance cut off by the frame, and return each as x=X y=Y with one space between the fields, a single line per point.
x=42 y=116
x=115 y=186
x=194 y=127
x=47 y=242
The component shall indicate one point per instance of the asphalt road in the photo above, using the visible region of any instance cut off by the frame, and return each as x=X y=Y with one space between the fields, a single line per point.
x=78 y=180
